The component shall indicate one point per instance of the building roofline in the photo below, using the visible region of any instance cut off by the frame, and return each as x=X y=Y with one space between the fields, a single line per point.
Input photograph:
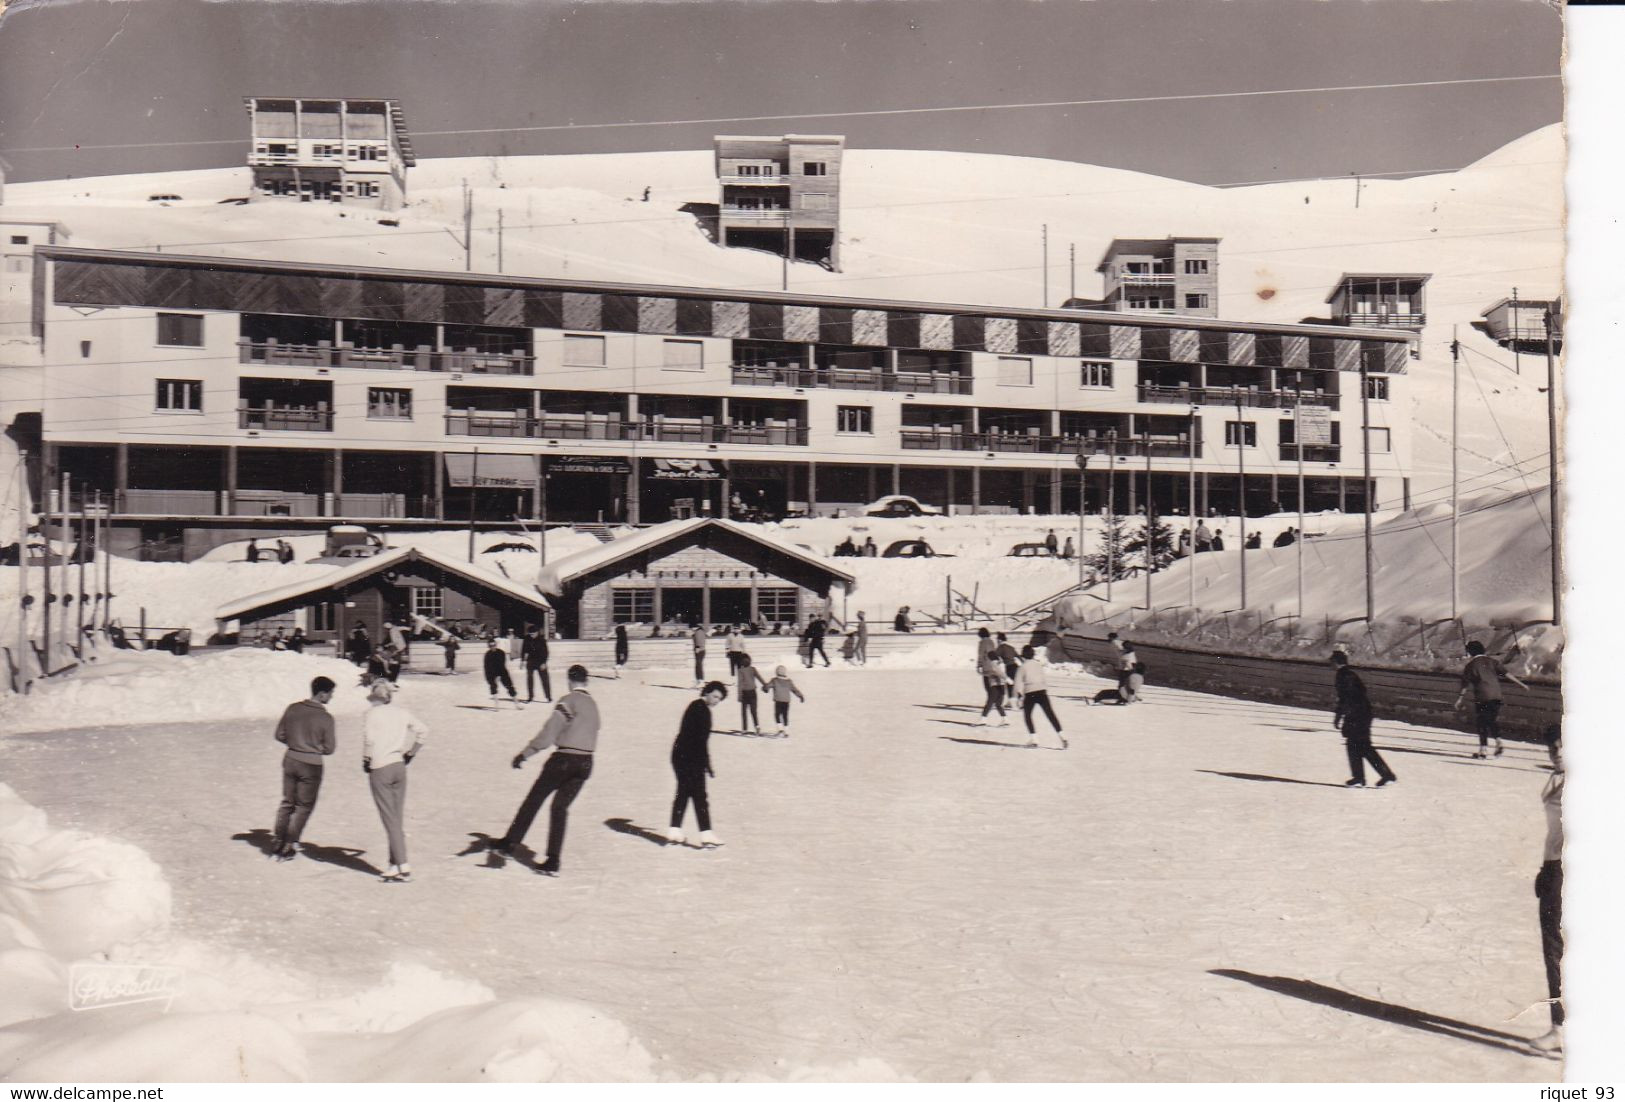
x=779 y=138
x=1121 y=244
x=1522 y=300
x=1346 y=276
x=1102 y=317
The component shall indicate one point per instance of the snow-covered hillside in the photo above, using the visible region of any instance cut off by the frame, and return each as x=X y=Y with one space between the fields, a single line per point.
x=939 y=226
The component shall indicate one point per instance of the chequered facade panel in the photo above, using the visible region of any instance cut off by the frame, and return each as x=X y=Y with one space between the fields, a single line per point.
x=801 y=323
x=937 y=332
x=657 y=315
x=731 y=319
x=1000 y=334
x=1184 y=346
x=1125 y=342
x=1243 y=349
x=504 y=306
x=1294 y=352
x=1394 y=357
x=1346 y=355
x=1063 y=339
x=583 y=311
x=869 y=327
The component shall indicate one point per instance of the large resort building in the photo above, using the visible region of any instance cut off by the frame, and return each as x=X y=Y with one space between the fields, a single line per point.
x=782 y=195
x=205 y=399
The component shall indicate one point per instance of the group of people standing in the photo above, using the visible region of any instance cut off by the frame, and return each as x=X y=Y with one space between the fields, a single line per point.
x=282 y=552
x=1017 y=676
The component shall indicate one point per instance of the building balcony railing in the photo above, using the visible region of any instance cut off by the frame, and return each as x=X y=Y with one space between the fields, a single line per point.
x=1157 y=278
x=1158 y=447
x=398 y=358
x=1313 y=453
x=1384 y=319
x=603 y=428
x=952 y=440
x=273 y=158
x=1227 y=396
x=775 y=180
x=257 y=503
x=926 y=382
x=275 y=418
x=754 y=214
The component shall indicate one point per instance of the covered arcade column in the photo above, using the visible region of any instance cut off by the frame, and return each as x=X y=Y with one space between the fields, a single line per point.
x=634 y=490
x=335 y=479
x=231 y=481
x=121 y=476
x=812 y=487
x=975 y=490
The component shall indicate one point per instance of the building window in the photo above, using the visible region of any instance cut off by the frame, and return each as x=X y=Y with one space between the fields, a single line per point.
x=180 y=330
x=814 y=168
x=1376 y=387
x=1196 y=267
x=19 y=239
x=1196 y=302
x=84 y=350
x=776 y=605
x=180 y=396
x=854 y=419
x=632 y=606
x=583 y=351
x=367 y=189
x=1095 y=374
x=1015 y=371
x=323 y=617
x=1380 y=440
x=388 y=403
x=685 y=355
x=1240 y=434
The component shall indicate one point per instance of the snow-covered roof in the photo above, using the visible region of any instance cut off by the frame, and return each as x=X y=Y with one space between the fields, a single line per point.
x=364 y=568
x=556 y=576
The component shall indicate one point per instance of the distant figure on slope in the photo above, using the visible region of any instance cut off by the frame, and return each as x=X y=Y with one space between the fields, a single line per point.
x=1204 y=537
x=1287 y=538
x=623 y=649
x=1033 y=689
x=749 y=679
x=1254 y=541
x=1353 y=717
x=1070 y=550
x=360 y=647
x=901 y=622
x=297 y=641
x=307 y=731
x=782 y=688
x=572 y=731
x=253 y=551
x=1482 y=677
x=691 y=762
x=871 y=550
x=391 y=737
x=1184 y=551
x=1218 y=540
x=496 y=670
x=284 y=552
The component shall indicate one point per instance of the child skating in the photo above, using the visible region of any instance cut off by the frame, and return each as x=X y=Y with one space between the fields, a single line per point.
x=781 y=688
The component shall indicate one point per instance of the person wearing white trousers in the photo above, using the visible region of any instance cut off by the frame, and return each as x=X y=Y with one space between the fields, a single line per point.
x=391 y=738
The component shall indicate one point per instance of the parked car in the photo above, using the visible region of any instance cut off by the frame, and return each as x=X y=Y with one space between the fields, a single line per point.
x=1030 y=550
x=900 y=505
x=163 y=198
x=912 y=549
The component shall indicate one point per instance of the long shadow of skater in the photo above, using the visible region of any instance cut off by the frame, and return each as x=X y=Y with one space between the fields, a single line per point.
x=1346 y=1001
x=1266 y=777
x=260 y=838
x=958 y=722
x=985 y=742
x=342 y=856
x=951 y=707
x=627 y=826
x=480 y=842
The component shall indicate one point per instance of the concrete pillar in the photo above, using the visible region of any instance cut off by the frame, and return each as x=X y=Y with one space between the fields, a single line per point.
x=1026 y=491
x=1203 y=507
x=812 y=488
x=705 y=601
x=230 y=503
x=436 y=483
x=1405 y=489
x=948 y=503
x=975 y=490
x=121 y=475
x=634 y=491
x=874 y=483
x=1275 y=488
x=1342 y=495
x=335 y=470
x=896 y=479
x=1054 y=490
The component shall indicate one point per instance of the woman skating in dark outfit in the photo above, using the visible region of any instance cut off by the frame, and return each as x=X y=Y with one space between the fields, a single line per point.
x=691 y=761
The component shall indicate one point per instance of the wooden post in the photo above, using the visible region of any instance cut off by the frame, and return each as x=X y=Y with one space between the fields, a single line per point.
x=22 y=572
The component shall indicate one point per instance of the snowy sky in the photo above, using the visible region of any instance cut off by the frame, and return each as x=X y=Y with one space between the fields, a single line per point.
x=165 y=78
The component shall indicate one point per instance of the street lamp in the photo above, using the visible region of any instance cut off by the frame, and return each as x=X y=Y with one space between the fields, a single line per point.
x=1082 y=460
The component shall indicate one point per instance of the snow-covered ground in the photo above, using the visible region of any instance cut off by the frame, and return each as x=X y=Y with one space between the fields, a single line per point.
x=1187 y=894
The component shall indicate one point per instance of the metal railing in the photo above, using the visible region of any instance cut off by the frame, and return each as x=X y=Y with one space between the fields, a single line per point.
x=1228 y=396
x=1162 y=278
x=754 y=214
x=400 y=358
x=1314 y=453
x=275 y=418
x=1379 y=319
x=928 y=382
x=597 y=428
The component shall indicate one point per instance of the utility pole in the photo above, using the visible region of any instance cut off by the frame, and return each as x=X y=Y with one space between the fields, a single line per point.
x=1150 y=517
x=79 y=553
x=784 y=267
x=1072 y=266
x=499 y=239
x=1517 y=357
x=468 y=228
x=1083 y=509
x=1552 y=469
x=65 y=530
x=1046 y=265
x=1365 y=447
x=1455 y=484
x=1356 y=176
x=22 y=573
x=1190 y=502
x=1241 y=493
x=1111 y=511
x=541 y=514
x=1297 y=436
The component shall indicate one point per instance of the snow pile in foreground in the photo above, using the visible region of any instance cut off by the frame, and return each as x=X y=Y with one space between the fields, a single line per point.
x=69 y=898
x=157 y=687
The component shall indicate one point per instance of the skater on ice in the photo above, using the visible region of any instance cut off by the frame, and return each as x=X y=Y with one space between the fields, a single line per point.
x=496 y=670
x=623 y=649
x=748 y=679
x=1482 y=676
x=391 y=737
x=1031 y=686
x=572 y=731
x=781 y=688
x=306 y=729
x=992 y=671
x=691 y=762
x=1353 y=718
x=534 y=653
x=699 y=639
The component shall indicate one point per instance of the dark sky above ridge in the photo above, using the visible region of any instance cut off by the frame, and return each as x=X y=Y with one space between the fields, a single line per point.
x=157 y=74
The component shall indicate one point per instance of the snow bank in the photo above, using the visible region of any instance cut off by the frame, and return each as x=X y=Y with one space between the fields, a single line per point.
x=159 y=687
x=68 y=897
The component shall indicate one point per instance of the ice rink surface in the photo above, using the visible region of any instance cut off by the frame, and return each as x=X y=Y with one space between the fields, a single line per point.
x=1187 y=894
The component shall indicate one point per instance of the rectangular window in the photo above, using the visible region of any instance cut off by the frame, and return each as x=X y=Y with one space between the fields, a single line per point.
x=854 y=419
x=1095 y=374
x=180 y=330
x=1381 y=440
x=180 y=396
x=19 y=239
x=428 y=601
x=84 y=350
x=814 y=168
x=1240 y=434
x=388 y=403
x=632 y=606
x=776 y=605
x=1015 y=371
x=583 y=351
x=684 y=355
x=1196 y=267
x=1196 y=302
x=1376 y=387
x=323 y=617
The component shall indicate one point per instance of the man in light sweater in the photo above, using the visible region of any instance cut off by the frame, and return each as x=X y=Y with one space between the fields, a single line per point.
x=307 y=731
x=391 y=737
x=572 y=730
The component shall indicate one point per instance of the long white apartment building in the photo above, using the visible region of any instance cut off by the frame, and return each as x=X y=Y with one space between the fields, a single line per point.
x=204 y=398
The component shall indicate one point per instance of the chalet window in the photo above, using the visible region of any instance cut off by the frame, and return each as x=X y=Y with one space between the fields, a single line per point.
x=776 y=605
x=179 y=396
x=1242 y=434
x=632 y=606
x=1015 y=371
x=1376 y=387
x=814 y=168
x=323 y=617
x=1095 y=374
x=684 y=355
x=387 y=403
x=1380 y=440
x=854 y=419
x=1196 y=302
x=1196 y=267
x=749 y=170
x=428 y=601
x=180 y=330
x=583 y=351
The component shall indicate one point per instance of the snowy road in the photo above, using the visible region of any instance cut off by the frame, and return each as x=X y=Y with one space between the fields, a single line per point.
x=1186 y=894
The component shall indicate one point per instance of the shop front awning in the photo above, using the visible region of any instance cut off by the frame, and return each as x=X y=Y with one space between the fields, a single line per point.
x=686 y=468
x=491 y=470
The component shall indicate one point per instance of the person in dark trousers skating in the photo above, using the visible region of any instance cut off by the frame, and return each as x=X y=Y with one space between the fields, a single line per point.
x=534 y=652
x=815 y=640
x=1549 y=892
x=1011 y=661
x=992 y=671
x=1353 y=718
x=623 y=649
x=782 y=688
x=698 y=638
x=450 y=643
x=749 y=679
x=572 y=731
x=496 y=669
x=1031 y=686
x=306 y=730
x=691 y=761
x=1482 y=677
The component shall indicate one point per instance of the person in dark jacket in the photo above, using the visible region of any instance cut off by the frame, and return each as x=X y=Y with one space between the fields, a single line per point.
x=307 y=731
x=814 y=635
x=496 y=669
x=1286 y=539
x=359 y=647
x=1549 y=893
x=691 y=761
x=1353 y=718
x=1482 y=677
x=572 y=730
x=623 y=649
x=534 y=652
x=297 y=641
x=1011 y=660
